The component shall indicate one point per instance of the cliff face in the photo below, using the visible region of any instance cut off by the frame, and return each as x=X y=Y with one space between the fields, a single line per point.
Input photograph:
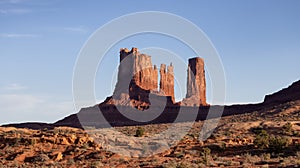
x=138 y=78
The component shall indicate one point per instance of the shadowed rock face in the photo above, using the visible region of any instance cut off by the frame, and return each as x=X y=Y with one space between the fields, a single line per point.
x=285 y=95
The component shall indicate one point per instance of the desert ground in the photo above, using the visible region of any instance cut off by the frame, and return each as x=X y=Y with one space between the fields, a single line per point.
x=266 y=138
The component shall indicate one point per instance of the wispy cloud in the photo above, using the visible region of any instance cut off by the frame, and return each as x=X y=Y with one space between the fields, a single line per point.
x=14 y=87
x=11 y=1
x=28 y=107
x=17 y=11
x=15 y=1
x=79 y=29
x=17 y=102
x=19 y=106
x=16 y=35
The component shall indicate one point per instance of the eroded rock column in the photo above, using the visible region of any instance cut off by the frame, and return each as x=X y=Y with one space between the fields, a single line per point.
x=166 y=86
x=196 y=84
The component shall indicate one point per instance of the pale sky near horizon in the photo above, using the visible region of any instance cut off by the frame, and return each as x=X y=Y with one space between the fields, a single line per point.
x=258 y=43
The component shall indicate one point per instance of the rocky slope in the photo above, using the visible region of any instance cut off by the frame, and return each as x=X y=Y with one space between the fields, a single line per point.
x=232 y=144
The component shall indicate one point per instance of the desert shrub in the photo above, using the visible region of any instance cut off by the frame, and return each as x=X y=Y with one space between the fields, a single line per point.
x=205 y=154
x=140 y=132
x=278 y=143
x=169 y=164
x=262 y=140
x=287 y=128
x=15 y=164
x=257 y=130
x=32 y=141
x=14 y=142
x=40 y=158
x=265 y=156
x=296 y=133
x=70 y=162
x=222 y=146
x=273 y=143
x=248 y=159
x=227 y=133
x=180 y=154
x=85 y=146
x=96 y=164
x=183 y=165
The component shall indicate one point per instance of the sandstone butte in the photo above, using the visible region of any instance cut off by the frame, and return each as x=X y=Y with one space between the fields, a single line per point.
x=138 y=78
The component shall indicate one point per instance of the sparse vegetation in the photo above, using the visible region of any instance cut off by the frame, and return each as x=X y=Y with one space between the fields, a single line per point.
x=247 y=143
x=265 y=156
x=96 y=164
x=262 y=140
x=278 y=143
x=287 y=129
x=257 y=130
x=205 y=154
x=33 y=141
x=70 y=162
x=139 y=132
x=274 y=143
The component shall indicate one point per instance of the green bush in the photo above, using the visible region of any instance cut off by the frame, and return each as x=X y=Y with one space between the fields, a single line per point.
x=140 y=132
x=278 y=143
x=273 y=143
x=262 y=140
x=287 y=129
x=257 y=130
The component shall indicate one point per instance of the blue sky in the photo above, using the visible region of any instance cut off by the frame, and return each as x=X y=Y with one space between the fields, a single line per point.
x=258 y=42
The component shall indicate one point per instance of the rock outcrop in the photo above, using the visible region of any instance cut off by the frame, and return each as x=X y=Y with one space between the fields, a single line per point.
x=196 y=84
x=290 y=93
x=166 y=85
x=138 y=79
x=135 y=69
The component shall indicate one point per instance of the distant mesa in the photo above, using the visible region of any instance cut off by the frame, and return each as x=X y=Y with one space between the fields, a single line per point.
x=138 y=80
x=285 y=95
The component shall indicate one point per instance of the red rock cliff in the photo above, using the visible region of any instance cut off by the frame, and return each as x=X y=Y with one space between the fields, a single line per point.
x=196 y=84
x=166 y=85
x=137 y=78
